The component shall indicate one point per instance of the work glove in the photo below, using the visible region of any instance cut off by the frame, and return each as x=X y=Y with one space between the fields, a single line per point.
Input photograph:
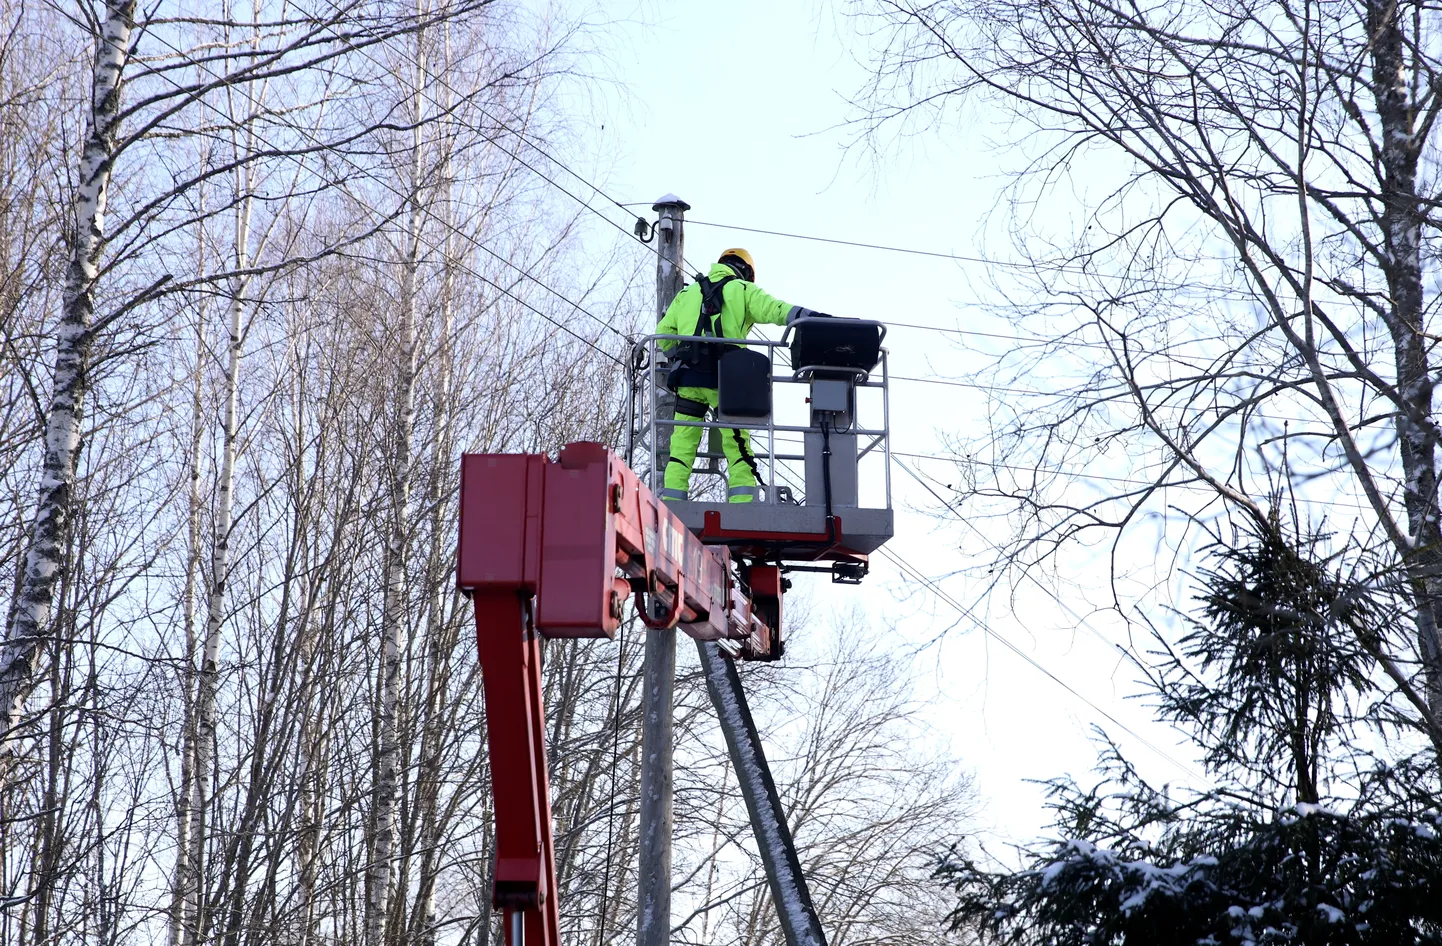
x=801 y=312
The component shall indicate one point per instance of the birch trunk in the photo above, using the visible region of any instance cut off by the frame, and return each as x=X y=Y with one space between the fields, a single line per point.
x=209 y=676
x=1402 y=219
x=439 y=637
x=45 y=559
x=383 y=812
x=184 y=881
x=51 y=836
x=316 y=740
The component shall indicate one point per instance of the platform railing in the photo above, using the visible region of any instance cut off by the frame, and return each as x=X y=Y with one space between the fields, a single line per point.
x=643 y=414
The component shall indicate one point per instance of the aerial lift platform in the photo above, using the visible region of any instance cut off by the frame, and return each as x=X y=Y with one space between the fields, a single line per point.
x=556 y=547
x=817 y=403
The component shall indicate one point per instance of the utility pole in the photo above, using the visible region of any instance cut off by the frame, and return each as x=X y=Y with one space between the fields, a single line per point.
x=670 y=275
x=653 y=921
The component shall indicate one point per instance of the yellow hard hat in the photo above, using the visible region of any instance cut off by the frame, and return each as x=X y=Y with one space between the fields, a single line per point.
x=742 y=255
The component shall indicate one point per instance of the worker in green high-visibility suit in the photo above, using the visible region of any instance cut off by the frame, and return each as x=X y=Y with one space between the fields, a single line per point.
x=742 y=304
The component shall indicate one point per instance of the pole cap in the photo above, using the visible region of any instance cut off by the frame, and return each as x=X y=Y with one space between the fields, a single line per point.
x=670 y=200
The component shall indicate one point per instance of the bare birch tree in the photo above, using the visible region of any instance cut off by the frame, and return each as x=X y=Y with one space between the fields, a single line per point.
x=872 y=797
x=44 y=558
x=304 y=43
x=1249 y=296
x=329 y=263
x=214 y=887
x=398 y=471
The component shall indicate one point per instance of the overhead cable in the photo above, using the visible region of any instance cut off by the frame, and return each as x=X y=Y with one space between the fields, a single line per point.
x=986 y=629
x=969 y=614
x=445 y=223
x=523 y=137
x=1034 y=267
x=1194 y=485
x=1102 y=393
x=1081 y=622
x=868 y=246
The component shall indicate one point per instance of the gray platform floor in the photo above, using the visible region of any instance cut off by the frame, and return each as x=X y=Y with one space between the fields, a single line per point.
x=862 y=530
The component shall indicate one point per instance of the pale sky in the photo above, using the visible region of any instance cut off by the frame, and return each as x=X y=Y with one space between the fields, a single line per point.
x=737 y=108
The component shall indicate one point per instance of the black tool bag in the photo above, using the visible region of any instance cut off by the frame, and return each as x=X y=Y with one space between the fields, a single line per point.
x=696 y=361
x=744 y=384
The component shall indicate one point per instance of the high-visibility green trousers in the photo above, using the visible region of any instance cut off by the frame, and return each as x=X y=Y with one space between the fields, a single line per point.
x=741 y=468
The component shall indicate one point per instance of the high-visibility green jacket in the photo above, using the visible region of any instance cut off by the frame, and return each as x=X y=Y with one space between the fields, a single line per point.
x=743 y=304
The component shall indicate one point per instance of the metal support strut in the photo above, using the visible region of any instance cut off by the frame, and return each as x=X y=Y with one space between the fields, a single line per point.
x=525 y=883
x=789 y=892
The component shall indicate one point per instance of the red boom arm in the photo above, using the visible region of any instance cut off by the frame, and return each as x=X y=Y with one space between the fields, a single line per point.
x=553 y=549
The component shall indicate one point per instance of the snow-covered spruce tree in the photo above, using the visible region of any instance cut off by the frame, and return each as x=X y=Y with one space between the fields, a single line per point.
x=1203 y=872
x=1223 y=220
x=1276 y=680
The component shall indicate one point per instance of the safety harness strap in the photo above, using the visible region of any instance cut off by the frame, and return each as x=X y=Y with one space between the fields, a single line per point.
x=711 y=304
x=690 y=408
x=696 y=360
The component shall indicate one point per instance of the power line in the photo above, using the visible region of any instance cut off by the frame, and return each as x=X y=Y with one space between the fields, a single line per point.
x=549 y=180
x=1033 y=267
x=990 y=388
x=1101 y=477
x=1059 y=343
x=1081 y=622
x=1029 y=339
x=1026 y=573
x=969 y=614
x=527 y=140
x=981 y=625
x=426 y=210
x=1027 y=469
x=868 y=246
x=1118 y=389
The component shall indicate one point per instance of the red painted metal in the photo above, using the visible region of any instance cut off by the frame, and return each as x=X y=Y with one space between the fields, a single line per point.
x=528 y=523
x=510 y=652
x=711 y=529
x=766 y=590
x=553 y=549
x=765 y=580
x=788 y=546
x=500 y=521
